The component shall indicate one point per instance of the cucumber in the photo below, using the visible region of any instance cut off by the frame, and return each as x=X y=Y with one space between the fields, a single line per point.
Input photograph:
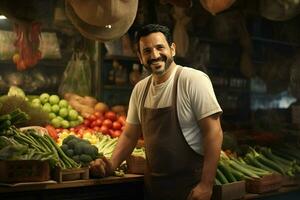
x=226 y=171
x=270 y=163
x=220 y=176
x=243 y=170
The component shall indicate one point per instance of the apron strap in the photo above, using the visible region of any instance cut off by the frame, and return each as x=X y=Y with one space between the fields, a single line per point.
x=144 y=98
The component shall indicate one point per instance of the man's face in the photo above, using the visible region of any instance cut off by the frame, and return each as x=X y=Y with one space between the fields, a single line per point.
x=155 y=53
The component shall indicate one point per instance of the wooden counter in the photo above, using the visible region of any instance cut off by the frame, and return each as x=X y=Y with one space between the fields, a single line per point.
x=128 y=187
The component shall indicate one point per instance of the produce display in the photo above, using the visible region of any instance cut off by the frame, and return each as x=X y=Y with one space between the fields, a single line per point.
x=60 y=112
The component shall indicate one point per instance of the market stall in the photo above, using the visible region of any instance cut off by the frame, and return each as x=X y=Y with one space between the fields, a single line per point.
x=65 y=84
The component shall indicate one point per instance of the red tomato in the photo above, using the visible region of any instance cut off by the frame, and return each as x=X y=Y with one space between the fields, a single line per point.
x=104 y=130
x=96 y=128
x=117 y=125
x=87 y=122
x=110 y=115
x=93 y=124
x=111 y=132
x=122 y=128
x=98 y=114
x=116 y=133
x=98 y=122
x=108 y=123
x=92 y=117
x=122 y=119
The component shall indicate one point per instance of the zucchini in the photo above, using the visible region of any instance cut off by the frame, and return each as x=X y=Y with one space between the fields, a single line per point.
x=226 y=171
x=270 y=163
x=220 y=176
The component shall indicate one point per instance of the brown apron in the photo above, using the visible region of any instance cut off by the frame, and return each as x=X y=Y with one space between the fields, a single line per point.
x=173 y=167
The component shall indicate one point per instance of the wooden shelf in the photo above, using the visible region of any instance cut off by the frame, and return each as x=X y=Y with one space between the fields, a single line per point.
x=121 y=57
x=271 y=41
x=44 y=62
x=117 y=87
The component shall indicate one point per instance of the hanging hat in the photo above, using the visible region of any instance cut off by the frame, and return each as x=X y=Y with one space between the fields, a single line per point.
x=179 y=3
x=216 y=6
x=279 y=10
x=101 y=20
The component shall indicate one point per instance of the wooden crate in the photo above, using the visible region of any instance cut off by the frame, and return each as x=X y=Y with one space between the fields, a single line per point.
x=230 y=191
x=136 y=164
x=265 y=184
x=62 y=175
x=14 y=171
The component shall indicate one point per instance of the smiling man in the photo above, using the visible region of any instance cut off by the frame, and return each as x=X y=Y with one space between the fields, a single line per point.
x=176 y=111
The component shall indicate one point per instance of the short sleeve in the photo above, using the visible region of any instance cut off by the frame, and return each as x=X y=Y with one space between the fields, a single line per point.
x=133 y=111
x=202 y=96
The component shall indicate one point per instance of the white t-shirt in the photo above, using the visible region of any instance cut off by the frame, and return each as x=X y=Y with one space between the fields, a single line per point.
x=195 y=100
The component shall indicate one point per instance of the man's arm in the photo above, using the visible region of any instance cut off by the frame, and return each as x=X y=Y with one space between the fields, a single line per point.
x=212 y=141
x=126 y=143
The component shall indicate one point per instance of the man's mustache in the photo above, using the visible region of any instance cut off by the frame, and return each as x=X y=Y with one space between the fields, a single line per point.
x=161 y=58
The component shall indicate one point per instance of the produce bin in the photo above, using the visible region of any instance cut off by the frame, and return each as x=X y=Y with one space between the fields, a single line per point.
x=229 y=191
x=265 y=184
x=13 y=171
x=62 y=175
x=136 y=164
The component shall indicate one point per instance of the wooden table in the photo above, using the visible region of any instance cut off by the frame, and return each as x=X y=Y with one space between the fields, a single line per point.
x=122 y=188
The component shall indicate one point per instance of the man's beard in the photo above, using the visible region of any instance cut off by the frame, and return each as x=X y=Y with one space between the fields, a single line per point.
x=163 y=58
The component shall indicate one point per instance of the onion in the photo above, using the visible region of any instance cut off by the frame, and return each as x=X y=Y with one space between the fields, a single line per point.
x=101 y=107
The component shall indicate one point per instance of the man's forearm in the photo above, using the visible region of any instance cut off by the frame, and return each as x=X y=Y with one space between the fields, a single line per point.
x=212 y=147
x=123 y=149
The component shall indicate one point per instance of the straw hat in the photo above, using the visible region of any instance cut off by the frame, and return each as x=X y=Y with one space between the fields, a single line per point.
x=179 y=3
x=101 y=20
x=279 y=10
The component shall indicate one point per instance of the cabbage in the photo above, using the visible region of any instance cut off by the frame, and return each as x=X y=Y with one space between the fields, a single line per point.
x=16 y=91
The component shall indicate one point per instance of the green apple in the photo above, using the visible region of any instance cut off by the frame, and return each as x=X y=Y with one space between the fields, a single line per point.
x=73 y=114
x=36 y=101
x=46 y=107
x=56 y=122
x=36 y=105
x=63 y=103
x=52 y=115
x=63 y=112
x=54 y=99
x=44 y=97
x=55 y=108
x=74 y=123
x=65 y=124
x=59 y=118
x=80 y=119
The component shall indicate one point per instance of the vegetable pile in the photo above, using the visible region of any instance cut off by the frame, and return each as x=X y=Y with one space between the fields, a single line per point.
x=80 y=150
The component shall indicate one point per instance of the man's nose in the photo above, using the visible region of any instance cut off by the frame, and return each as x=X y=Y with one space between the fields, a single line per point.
x=155 y=54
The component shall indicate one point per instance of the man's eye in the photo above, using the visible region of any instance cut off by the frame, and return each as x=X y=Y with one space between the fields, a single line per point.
x=146 y=51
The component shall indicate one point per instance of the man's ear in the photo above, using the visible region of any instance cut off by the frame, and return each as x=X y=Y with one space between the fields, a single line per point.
x=173 y=49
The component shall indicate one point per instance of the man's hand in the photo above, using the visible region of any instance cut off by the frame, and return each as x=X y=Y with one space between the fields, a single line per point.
x=101 y=167
x=200 y=192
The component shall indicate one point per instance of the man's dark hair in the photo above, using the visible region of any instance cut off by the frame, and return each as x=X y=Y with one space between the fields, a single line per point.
x=153 y=28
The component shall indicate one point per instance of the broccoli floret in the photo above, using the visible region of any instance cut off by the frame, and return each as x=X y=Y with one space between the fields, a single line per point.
x=72 y=143
x=64 y=147
x=85 y=159
x=69 y=138
x=76 y=158
x=78 y=149
x=70 y=152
